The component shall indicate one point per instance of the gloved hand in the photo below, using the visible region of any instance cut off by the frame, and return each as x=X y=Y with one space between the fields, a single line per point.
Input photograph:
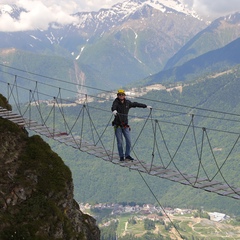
x=149 y=107
x=115 y=112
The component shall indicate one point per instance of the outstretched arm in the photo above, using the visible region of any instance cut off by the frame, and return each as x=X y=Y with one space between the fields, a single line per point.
x=139 y=105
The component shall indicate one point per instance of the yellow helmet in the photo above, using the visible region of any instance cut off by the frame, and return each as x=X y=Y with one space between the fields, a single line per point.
x=121 y=91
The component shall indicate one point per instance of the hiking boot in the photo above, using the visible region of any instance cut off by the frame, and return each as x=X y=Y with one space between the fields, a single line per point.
x=129 y=158
x=121 y=159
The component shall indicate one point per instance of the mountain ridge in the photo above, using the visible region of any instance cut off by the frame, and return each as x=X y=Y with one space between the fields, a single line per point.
x=213 y=61
x=219 y=33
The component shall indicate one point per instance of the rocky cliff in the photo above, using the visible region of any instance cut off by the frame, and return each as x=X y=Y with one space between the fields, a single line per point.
x=36 y=190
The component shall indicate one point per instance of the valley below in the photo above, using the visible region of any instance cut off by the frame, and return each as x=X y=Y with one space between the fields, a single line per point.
x=142 y=222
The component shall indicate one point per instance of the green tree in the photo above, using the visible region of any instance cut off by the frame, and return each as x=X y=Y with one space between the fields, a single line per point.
x=149 y=224
x=132 y=221
x=109 y=233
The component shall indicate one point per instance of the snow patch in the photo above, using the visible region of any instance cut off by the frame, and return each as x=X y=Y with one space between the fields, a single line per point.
x=79 y=55
x=6 y=9
x=35 y=38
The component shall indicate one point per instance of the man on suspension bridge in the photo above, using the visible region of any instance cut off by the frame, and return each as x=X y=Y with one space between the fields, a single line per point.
x=120 y=109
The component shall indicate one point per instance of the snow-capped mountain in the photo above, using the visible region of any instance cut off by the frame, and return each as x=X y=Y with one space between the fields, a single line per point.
x=13 y=10
x=119 y=12
x=127 y=7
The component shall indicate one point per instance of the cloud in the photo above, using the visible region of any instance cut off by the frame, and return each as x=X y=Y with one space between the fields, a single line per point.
x=38 y=16
x=214 y=8
x=95 y=5
x=219 y=6
x=41 y=13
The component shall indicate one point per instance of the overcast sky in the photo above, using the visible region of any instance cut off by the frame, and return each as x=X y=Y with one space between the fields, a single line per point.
x=41 y=12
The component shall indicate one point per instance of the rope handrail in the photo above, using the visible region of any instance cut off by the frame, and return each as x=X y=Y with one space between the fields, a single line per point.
x=107 y=91
x=163 y=121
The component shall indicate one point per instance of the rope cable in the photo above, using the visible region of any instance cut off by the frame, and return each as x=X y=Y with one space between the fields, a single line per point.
x=141 y=130
x=76 y=119
x=67 y=128
x=29 y=108
x=91 y=122
x=132 y=147
x=219 y=168
x=100 y=140
x=12 y=95
x=231 y=150
x=56 y=79
x=110 y=119
x=113 y=145
x=158 y=150
x=172 y=158
x=199 y=154
x=54 y=117
x=154 y=143
x=18 y=102
x=61 y=109
x=49 y=114
x=81 y=132
x=160 y=204
x=156 y=101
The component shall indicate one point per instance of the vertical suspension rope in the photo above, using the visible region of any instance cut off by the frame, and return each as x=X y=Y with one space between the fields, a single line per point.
x=37 y=102
x=8 y=92
x=113 y=144
x=231 y=150
x=91 y=122
x=172 y=158
x=61 y=110
x=132 y=148
x=75 y=122
x=16 y=99
x=95 y=129
x=158 y=151
x=81 y=135
x=18 y=102
x=154 y=144
x=54 y=113
x=141 y=130
x=200 y=158
x=30 y=107
x=100 y=136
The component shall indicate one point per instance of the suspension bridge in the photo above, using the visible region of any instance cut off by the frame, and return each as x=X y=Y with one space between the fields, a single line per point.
x=43 y=118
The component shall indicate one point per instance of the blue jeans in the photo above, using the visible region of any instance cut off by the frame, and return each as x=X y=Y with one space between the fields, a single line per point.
x=120 y=132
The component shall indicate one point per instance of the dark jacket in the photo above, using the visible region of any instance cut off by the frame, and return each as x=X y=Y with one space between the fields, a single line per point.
x=123 y=108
